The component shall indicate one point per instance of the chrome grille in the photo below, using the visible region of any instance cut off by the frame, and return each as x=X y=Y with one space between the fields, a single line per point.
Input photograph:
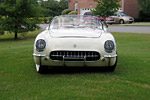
x=74 y=55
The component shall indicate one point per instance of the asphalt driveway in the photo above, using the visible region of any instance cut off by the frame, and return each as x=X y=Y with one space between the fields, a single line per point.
x=130 y=29
x=43 y=26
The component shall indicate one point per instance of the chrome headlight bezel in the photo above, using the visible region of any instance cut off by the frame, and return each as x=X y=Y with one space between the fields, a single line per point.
x=40 y=45
x=109 y=46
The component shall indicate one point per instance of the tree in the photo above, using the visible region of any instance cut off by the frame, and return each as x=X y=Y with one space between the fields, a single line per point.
x=72 y=13
x=144 y=9
x=63 y=4
x=66 y=11
x=54 y=7
x=1 y=1
x=19 y=16
x=105 y=8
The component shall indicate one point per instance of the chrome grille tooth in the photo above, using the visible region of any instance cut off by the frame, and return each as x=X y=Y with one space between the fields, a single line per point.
x=75 y=54
x=67 y=54
x=57 y=55
x=63 y=53
x=71 y=53
x=79 y=54
x=60 y=53
x=92 y=55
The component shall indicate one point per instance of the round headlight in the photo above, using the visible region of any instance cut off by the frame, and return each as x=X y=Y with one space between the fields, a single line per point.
x=109 y=46
x=40 y=45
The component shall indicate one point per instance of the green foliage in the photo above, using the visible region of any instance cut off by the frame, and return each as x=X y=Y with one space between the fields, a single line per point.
x=144 y=9
x=1 y=31
x=144 y=6
x=9 y=37
x=47 y=19
x=66 y=11
x=15 y=14
x=72 y=13
x=106 y=8
x=54 y=8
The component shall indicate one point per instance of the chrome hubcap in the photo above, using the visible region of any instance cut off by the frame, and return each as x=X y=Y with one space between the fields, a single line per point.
x=121 y=21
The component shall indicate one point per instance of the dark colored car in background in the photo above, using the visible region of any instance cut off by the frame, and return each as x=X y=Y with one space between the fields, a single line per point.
x=108 y=20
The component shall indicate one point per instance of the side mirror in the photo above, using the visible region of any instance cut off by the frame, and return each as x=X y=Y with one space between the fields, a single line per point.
x=47 y=28
x=104 y=26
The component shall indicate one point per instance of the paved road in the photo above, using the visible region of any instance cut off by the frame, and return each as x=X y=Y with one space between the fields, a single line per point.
x=43 y=26
x=126 y=29
x=130 y=29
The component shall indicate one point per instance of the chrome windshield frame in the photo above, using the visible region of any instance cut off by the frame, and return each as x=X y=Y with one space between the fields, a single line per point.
x=83 y=22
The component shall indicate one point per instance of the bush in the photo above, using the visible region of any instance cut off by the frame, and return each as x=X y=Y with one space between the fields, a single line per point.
x=144 y=17
x=72 y=13
x=46 y=19
x=2 y=32
x=66 y=11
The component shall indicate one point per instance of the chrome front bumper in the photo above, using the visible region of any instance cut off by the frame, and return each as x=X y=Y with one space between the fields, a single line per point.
x=105 y=60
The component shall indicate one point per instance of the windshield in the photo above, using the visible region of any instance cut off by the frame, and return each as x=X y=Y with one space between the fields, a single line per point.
x=75 y=22
x=123 y=14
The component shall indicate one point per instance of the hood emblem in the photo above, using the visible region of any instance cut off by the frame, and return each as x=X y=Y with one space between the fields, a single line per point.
x=74 y=45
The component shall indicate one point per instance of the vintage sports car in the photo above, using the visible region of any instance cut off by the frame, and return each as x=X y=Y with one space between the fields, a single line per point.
x=71 y=41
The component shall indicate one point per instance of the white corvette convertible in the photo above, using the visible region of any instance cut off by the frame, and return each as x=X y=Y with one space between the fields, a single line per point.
x=75 y=41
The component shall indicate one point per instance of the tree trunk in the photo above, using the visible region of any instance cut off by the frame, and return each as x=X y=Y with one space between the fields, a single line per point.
x=16 y=35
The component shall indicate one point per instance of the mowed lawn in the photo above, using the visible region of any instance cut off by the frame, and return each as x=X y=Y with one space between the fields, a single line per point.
x=130 y=81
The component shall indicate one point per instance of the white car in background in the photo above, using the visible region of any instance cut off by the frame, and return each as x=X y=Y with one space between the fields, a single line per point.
x=74 y=41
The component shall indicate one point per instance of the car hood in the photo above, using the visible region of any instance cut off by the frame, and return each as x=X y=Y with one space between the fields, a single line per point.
x=77 y=33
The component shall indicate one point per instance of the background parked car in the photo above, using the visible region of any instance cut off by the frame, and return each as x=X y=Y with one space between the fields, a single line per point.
x=90 y=13
x=122 y=18
x=108 y=20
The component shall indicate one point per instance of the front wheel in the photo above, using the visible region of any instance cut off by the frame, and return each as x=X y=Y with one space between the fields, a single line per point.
x=41 y=69
x=121 y=21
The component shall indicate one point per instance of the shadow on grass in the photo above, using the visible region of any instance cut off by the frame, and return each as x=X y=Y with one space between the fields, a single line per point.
x=12 y=39
x=76 y=70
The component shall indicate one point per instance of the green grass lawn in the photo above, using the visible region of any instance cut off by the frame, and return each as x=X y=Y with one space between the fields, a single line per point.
x=130 y=81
